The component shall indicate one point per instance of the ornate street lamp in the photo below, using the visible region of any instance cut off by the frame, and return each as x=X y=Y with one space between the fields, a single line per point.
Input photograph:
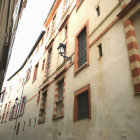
x=61 y=50
x=16 y=100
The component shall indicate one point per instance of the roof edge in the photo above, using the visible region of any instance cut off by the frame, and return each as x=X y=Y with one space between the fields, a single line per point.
x=33 y=48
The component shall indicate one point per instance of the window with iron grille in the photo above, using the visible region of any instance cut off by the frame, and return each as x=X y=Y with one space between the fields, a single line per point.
x=82 y=48
x=44 y=99
x=49 y=60
x=43 y=107
x=60 y=89
x=82 y=104
x=59 y=102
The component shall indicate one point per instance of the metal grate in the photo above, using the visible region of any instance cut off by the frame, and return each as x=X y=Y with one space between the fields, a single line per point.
x=49 y=61
x=83 y=106
x=82 y=50
x=60 y=90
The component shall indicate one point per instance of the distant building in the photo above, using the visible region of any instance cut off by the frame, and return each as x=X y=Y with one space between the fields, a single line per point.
x=88 y=90
x=10 y=12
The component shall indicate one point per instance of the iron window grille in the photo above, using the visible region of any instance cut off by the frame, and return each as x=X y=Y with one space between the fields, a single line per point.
x=82 y=48
x=60 y=89
x=49 y=61
x=83 y=106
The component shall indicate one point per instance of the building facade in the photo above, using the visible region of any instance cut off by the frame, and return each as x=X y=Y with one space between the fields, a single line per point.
x=10 y=12
x=88 y=91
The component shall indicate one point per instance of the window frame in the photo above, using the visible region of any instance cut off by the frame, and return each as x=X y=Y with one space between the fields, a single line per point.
x=27 y=78
x=54 y=23
x=100 y=50
x=43 y=64
x=76 y=68
x=98 y=11
x=43 y=105
x=49 y=59
x=78 y=4
x=35 y=72
x=18 y=125
x=59 y=85
x=78 y=92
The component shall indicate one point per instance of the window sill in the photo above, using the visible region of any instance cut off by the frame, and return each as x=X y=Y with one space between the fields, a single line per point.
x=79 y=5
x=81 y=68
x=59 y=117
x=82 y=121
x=33 y=80
x=40 y=122
x=43 y=108
x=59 y=100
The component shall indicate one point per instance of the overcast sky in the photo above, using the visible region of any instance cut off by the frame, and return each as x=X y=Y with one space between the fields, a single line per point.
x=29 y=28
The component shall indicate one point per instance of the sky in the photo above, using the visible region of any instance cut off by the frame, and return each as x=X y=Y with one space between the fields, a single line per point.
x=29 y=28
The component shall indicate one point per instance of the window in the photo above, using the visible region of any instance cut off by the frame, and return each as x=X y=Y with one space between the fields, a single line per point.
x=28 y=75
x=29 y=123
x=82 y=49
x=82 y=52
x=60 y=98
x=42 y=108
x=22 y=106
x=16 y=110
x=136 y=23
x=38 y=97
x=11 y=113
x=42 y=40
x=65 y=31
x=24 y=126
x=54 y=22
x=34 y=122
x=60 y=89
x=37 y=48
x=47 y=32
x=49 y=60
x=17 y=128
x=43 y=64
x=1 y=97
x=35 y=72
x=7 y=111
x=82 y=104
x=98 y=11
x=44 y=100
x=5 y=107
x=3 y=117
x=100 y=50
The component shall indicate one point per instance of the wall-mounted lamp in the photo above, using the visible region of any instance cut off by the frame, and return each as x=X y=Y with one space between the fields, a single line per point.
x=61 y=50
x=16 y=100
